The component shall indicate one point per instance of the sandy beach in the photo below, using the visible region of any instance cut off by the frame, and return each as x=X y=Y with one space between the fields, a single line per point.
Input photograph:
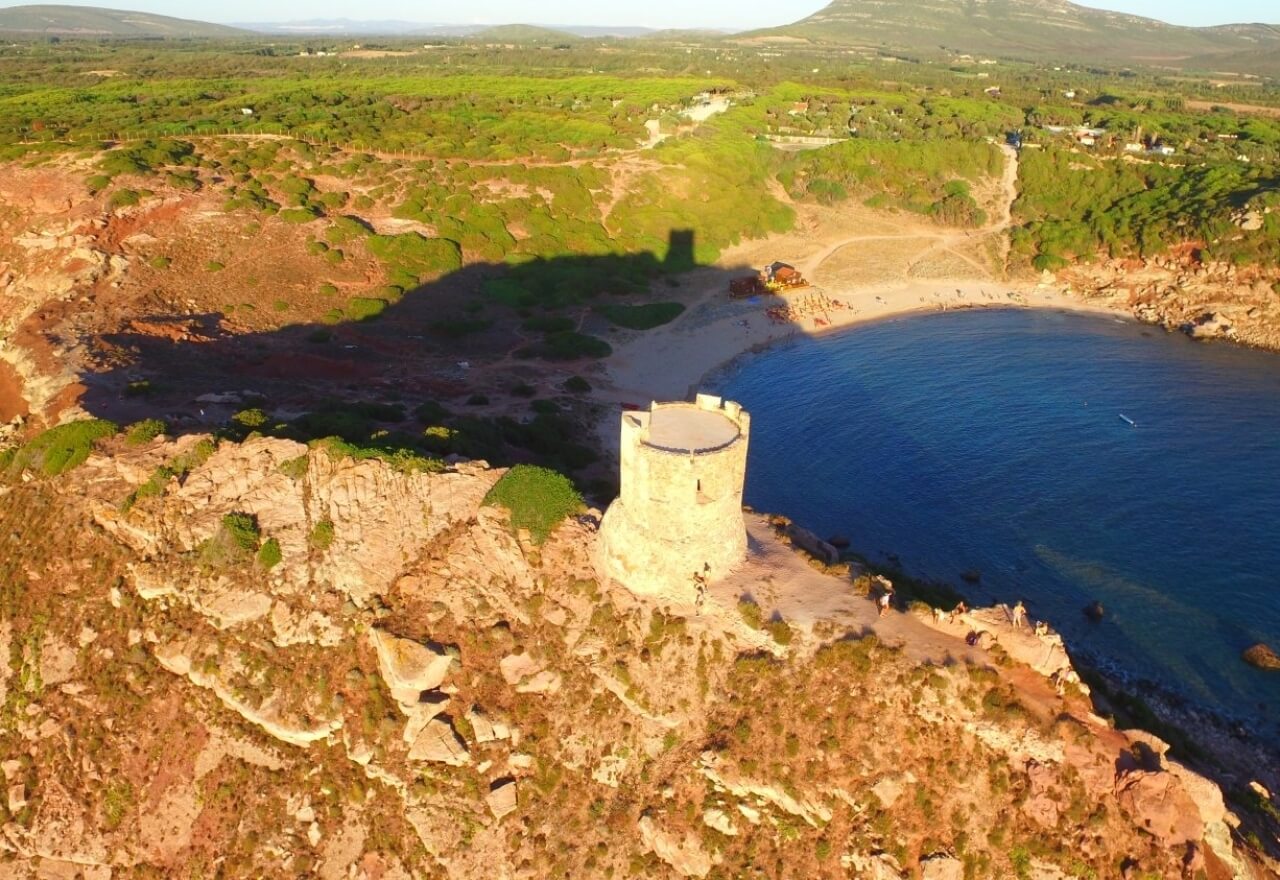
x=669 y=363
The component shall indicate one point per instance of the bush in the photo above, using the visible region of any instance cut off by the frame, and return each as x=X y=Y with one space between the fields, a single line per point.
x=577 y=385
x=363 y=308
x=269 y=555
x=60 y=449
x=123 y=198
x=160 y=262
x=572 y=346
x=643 y=317
x=322 y=535
x=241 y=529
x=299 y=215
x=143 y=432
x=537 y=498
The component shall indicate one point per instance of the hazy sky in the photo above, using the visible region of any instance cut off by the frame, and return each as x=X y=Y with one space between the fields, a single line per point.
x=651 y=13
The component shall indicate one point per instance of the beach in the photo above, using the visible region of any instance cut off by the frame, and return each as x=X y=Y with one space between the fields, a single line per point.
x=670 y=362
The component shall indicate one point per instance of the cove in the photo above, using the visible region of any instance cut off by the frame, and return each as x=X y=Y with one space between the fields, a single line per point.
x=992 y=441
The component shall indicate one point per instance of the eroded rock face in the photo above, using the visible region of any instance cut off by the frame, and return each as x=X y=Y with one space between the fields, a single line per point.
x=1157 y=802
x=685 y=855
x=380 y=519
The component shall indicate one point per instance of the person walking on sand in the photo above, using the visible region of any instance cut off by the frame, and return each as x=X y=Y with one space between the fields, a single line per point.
x=959 y=611
x=1019 y=614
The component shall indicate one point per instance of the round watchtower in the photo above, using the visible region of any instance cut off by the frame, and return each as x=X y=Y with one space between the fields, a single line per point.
x=677 y=521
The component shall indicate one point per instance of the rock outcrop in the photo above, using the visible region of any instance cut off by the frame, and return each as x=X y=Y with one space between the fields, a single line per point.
x=1262 y=656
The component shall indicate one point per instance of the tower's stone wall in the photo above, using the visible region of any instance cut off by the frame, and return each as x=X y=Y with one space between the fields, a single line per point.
x=678 y=515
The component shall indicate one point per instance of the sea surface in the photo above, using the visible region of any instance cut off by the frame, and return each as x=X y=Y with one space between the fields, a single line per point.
x=992 y=441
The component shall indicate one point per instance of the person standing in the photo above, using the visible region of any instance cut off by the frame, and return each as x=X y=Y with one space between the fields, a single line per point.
x=1019 y=614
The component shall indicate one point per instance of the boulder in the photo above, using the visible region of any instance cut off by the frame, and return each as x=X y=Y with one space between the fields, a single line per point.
x=440 y=743
x=502 y=798
x=941 y=867
x=408 y=667
x=1262 y=656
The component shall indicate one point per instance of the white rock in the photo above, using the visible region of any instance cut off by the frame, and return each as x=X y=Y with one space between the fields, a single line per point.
x=502 y=798
x=439 y=742
x=720 y=821
x=408 y=667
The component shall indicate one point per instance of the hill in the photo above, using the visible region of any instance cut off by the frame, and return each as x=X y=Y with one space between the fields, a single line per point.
x=1034 y=29
x=523 y=33
x=88 y=21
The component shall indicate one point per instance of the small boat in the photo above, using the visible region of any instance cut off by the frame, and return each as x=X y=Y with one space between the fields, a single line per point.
x=1130 y=422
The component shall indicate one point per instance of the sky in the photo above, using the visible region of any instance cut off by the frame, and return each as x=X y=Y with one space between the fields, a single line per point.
x=728 y=14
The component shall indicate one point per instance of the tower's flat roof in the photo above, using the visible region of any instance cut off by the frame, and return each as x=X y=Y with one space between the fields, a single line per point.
x=688 y=429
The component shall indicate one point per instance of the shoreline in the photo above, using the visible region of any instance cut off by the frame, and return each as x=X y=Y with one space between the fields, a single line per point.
x=715 y=332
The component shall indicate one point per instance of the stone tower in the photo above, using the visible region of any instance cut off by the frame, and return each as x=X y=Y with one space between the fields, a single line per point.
x=678 y=515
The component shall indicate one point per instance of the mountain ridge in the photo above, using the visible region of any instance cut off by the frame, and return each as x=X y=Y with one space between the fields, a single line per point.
x=54 y=20
x=1033 y=30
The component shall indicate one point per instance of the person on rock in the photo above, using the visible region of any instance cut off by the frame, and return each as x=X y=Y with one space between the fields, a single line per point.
x=1019 y=614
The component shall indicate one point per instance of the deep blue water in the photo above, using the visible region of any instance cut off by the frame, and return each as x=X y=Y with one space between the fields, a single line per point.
x=992 y=440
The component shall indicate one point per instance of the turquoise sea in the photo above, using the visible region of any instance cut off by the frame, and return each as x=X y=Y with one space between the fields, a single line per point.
x=992 y=441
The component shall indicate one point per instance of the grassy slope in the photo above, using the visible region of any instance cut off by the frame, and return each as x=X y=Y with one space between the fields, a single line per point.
x=53 y=20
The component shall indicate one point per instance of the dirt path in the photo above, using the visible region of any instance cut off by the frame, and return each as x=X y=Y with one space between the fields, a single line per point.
x=943 y=240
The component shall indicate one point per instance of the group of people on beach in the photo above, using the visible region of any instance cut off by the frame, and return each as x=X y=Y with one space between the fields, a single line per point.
x=815 y=305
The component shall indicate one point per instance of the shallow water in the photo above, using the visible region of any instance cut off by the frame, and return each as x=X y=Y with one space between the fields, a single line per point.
x=992 y=441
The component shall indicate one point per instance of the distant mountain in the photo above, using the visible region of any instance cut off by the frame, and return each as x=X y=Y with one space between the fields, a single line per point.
x=89 y=21
x=1037 y=29
x=393 y=28
x=347 y=26
x=522 y=33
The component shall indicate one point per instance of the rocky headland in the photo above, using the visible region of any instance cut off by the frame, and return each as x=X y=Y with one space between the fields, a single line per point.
x=275 y=660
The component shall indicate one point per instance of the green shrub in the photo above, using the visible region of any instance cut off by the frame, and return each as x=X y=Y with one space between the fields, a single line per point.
x=280 y=305
x=123 y=198
x=403 y=460
x=214 y=266
x=416 y=253
x=241 y=529
x=140 y=433
x=269 y=555
x=294 y=468
x=751 y=613
x=577 y=385
x=539 y=499
x=60 y=449
x=322 y=535
x=643 y=317
x=571 y=345
x=299 y=215
x=363 y=308
x=160 y=262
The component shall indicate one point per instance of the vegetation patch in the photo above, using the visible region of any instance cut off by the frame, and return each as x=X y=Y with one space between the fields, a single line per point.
x=60 y=449
x=538 y=498
x=643 y=317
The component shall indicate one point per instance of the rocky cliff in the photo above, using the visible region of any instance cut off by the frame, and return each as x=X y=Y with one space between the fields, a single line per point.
x=269 y=660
